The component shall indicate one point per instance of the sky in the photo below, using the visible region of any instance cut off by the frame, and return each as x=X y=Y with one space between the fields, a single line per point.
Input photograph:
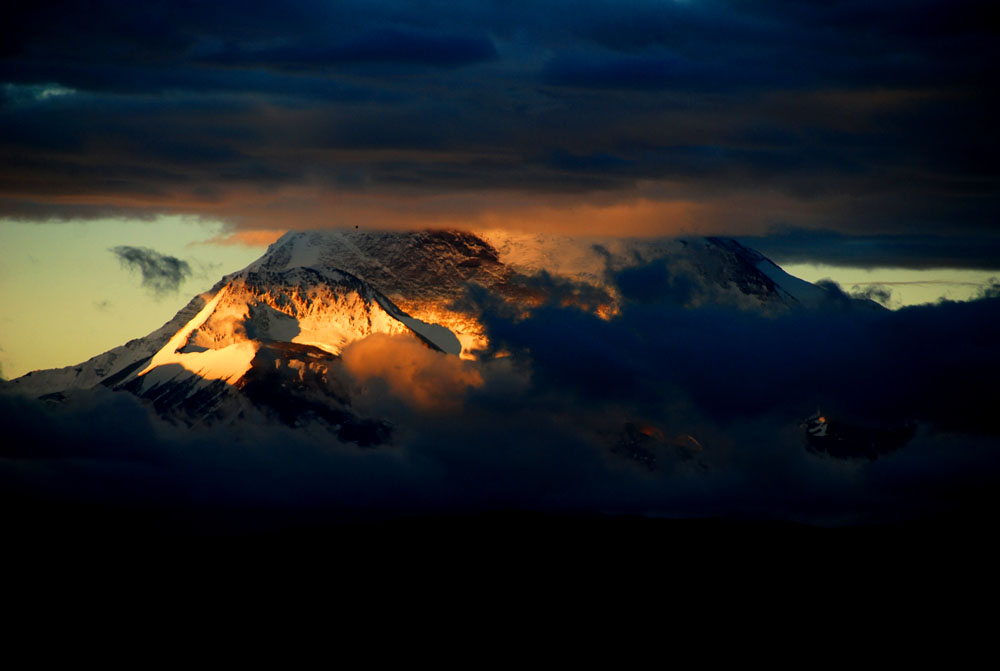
x=68 y=296
x=848 y=140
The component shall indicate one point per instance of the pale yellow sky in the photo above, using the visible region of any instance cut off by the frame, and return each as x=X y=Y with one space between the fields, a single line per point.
x=908 y=287
x=64 y=297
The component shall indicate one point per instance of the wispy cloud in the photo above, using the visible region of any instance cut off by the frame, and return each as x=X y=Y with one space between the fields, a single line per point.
x=252 y=238
x=161 y=274
x=873 y=291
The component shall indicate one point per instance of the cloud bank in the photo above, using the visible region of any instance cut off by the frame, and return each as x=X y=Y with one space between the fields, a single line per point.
x=647 y=117
x=663 y=410
x=919 y=252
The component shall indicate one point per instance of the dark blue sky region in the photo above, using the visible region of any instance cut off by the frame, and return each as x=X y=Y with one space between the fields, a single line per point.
x=833 y=120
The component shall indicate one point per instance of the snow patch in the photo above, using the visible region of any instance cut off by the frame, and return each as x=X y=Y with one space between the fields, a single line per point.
x=437 y=335
x=229 y=363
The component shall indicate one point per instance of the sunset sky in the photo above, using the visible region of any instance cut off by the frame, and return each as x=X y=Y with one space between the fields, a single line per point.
x=850 y=140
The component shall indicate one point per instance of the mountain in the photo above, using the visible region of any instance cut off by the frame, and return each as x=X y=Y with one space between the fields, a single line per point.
x=267 y=339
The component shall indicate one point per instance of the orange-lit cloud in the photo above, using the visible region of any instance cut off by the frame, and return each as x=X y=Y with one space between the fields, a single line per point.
x=651 y=207
x=653 y=211
x=250 y=238
x=658 y=208
x=425 y=380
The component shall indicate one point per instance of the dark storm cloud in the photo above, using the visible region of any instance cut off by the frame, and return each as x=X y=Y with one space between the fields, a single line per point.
x=631 y=72
x=161 y=274
x=931 y=363
x=879 y=251
x=391 y=47
x=857 y=118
